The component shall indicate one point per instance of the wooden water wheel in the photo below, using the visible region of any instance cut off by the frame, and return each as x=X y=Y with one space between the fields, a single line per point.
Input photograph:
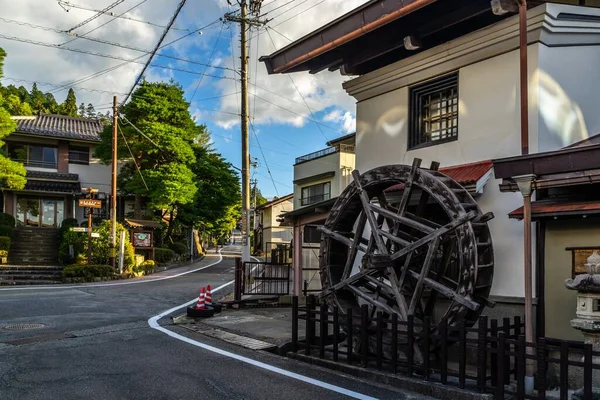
x=422 y=249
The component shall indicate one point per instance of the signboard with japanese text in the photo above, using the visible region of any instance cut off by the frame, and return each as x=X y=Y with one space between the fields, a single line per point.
x=142 y=239
x=90 y=203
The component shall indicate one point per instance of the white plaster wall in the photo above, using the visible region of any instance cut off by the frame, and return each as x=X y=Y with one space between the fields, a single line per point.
x=489 y=128
x=316 y=167
x=95 y=174
x=568 y=95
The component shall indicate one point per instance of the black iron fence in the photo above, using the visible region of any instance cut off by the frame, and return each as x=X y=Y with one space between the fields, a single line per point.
x=489 y=358
x=265 y=278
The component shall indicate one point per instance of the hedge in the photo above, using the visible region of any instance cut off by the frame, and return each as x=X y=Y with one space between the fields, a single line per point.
x=7 y=219
x=179 y=248
x=163 y=255
x=6 y=230
x=4 y=243
x=88 y=271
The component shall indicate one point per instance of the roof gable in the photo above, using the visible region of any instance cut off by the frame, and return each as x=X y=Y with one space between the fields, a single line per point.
x=61 y=126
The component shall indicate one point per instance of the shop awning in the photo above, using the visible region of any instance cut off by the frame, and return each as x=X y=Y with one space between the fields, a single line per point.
x=550 y=209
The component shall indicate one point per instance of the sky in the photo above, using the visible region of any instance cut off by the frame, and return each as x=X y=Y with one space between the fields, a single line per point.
x=291 y=115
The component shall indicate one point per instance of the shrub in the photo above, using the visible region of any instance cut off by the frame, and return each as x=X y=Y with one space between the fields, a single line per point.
x=67 y=224
x=3 y=253
x=7 y=219
x=163 y=255
x=101 y=245
x=6 y=230
x=179 y=248
x=77 y=240
x=87 y=271
x=4 y=243
x=148 y=267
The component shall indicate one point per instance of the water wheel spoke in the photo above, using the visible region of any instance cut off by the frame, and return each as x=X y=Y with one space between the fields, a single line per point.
x=408 y=186
x=341 y=238
x=450 y=227
x=364 y=199
x=416 y=298
x=373 y=301
x=401 y=220
x=448 y=254
x=354 y=247
x=446 y=291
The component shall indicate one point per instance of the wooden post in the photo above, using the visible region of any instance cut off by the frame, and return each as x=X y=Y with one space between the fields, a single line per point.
x=89 y=249
x=113 y=188
x=237 y=294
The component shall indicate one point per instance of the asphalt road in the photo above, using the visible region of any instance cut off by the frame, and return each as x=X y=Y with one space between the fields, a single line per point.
x=97 y=343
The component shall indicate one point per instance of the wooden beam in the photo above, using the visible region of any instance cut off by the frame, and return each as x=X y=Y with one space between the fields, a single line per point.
x=401 y=219
x=449 y=293
x=362 y=221
x=370 y=216
x=433 y=246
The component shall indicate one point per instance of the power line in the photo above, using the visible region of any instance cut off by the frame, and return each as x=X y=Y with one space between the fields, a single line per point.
x=127 y=60
x=106 y=23
x=93 y=17
x=65 y=4
x=110 y=69
x=277 y=8
x=299 y=92
x=56 y=85
x=132 y=157
x=156 y=48
x=264 y=158
x=212 y=53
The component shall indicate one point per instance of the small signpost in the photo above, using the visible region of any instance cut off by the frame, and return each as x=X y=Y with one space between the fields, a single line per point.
x=90 y=203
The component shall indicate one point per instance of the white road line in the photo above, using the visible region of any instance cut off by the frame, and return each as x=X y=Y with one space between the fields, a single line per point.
x=83 y=285
x=153 y=322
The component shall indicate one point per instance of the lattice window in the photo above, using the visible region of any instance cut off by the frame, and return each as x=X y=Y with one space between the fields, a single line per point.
x=434 y=112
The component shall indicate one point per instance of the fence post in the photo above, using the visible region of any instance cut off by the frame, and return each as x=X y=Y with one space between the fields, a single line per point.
x=426 y=331
x=541 y=370
x=494 y=352
x=517 y=333
x=394 y=343
x=521 y=350
x=239 y=276
x=336 y=330
x=444 y=351
x=364 y=337
x=462 y=354
x=310 y=322
x=295 y=324
x=410 y=345
x=482 y=353
x=506 y=329
x=324 y=318
x=564 y=371
x=349 y=334
x=588 y=371
x=501 y=359
x=379 y=340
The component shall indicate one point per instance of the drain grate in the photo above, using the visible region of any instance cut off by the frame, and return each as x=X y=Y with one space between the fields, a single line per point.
x=21 y=327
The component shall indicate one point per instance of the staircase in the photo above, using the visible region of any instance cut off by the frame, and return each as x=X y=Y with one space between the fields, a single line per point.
x=29 y=275
x=34 y=246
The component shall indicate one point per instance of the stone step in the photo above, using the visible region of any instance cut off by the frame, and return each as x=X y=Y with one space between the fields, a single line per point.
x=30 y=271
x=34 y=260
x=30 y=282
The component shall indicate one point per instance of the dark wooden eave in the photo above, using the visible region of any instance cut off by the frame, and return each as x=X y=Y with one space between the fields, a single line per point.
x=372 y=36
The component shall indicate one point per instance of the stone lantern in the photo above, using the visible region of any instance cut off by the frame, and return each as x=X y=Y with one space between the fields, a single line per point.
x=588 y=311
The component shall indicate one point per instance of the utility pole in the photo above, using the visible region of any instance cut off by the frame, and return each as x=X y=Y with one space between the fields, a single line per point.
x=254 y=190
x=113 y=194
x=244 y=22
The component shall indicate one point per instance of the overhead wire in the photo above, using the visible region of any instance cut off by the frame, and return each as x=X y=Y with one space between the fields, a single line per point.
x=98 y=14
x=68 y=4
x=132 y=157
x=299 y=92
x=106 y=23
x=212 y=54
x=156 y=48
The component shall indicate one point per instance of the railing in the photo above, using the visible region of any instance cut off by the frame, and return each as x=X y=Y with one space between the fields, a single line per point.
x=265 y=278
x=305 y=201
x=346 y=148
x=38 y=164
x=316 y=154
x=498 y=351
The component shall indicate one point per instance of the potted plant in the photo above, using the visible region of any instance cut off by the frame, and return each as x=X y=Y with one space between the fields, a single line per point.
x=3 y=256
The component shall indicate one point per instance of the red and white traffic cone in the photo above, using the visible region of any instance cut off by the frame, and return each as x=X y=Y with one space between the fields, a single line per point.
x=200 y=310
x=209 y=302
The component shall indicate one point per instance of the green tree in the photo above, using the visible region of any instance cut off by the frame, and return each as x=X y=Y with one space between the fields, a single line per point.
x=82 y=110
x=14 y=106
x=160 y=133
x=37 y=100
x=69 y=107
x=12 y=174
x=217 y=204
x=50 y=103
x=90 y=112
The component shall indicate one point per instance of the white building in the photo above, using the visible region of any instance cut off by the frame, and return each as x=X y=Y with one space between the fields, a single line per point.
x=442 y=84
x=268 y=233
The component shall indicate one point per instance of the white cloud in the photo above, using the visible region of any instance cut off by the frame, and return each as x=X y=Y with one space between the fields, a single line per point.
x=274 y=98
x=344 y=118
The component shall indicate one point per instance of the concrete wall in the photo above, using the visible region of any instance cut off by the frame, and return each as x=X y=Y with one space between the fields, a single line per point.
x=561 y=302
x=95 y=174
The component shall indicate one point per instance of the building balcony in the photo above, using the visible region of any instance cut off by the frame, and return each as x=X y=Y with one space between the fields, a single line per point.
x=306 y=201
x=38 y=163
x=340 y=148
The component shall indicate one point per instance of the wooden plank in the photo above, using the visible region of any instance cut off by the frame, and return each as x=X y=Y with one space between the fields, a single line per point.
x=401 y=219
x=340 y=238
x=393 y=238
x=424 y=272
x=470 y=304
x=367 y=210
x=440 y=232
x=373 y=301
x=362 y=221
